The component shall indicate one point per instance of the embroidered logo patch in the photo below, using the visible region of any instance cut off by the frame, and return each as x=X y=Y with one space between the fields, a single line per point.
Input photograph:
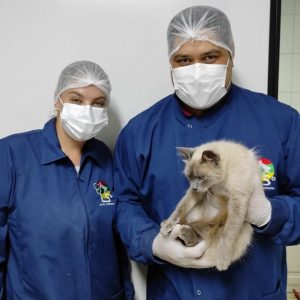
x=103 y=190
x=267 y=172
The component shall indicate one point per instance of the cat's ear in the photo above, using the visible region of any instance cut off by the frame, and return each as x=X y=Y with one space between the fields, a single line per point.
x=210 y=156
x=185 y=153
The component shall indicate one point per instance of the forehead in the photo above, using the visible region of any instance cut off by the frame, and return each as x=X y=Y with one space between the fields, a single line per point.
x=90 y=91
x=193 y=47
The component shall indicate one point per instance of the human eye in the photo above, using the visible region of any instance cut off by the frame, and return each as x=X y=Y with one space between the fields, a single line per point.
x=75 y=100
x=210 y=59
x=99 y=104
x=184 y=61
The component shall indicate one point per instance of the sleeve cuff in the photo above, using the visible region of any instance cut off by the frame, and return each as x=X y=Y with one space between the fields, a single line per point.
x=279 y=215
x=146 y=245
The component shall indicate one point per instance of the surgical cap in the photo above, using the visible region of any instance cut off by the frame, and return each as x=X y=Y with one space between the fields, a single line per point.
x=80 y=74
x=200 y=23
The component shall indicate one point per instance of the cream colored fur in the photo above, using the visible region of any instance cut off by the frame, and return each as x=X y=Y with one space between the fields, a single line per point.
x=222 y=177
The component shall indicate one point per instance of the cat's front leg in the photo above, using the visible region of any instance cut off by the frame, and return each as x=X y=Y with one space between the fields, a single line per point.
x=179 y=215
x=167 y=226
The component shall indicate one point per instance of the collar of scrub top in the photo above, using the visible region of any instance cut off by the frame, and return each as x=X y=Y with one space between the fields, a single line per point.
x=51 y=151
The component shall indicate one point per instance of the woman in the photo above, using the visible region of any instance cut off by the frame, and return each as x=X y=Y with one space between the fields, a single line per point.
x=57 y=238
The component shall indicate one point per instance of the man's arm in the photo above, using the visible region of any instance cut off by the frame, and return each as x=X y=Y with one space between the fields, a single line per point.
x=284 y=222
x=7 y=183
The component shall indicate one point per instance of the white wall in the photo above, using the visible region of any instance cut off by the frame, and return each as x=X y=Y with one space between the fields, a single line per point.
x=38 y=38
x=289 y=93
x=289 y=59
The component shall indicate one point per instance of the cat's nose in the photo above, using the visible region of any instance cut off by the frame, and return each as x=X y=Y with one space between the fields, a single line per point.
x=194 y=185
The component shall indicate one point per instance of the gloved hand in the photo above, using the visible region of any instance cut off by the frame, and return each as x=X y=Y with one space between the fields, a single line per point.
x=170 y=249
x=259 y=207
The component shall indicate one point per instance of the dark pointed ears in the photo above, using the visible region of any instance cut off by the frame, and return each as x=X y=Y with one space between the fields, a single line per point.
x=210 y=156
x=185 y=153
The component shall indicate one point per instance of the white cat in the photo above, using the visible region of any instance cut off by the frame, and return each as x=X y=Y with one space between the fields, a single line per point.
x=222 y=176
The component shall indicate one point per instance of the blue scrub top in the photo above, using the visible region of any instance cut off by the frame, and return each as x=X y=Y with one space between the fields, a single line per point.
x=57 y=234
x=149 y=182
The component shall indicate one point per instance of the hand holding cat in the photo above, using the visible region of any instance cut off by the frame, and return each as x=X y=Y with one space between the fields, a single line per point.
x=170 y=249
x=259 y=207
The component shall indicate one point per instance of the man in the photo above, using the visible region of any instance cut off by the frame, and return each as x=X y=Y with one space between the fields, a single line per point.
x=149 y=181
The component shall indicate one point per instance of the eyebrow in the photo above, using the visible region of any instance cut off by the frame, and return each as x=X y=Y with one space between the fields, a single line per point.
x=207 y=53
x=100 y=98
x=210 y=52
x=181 y=56
x=75 y=93
x=80 y=95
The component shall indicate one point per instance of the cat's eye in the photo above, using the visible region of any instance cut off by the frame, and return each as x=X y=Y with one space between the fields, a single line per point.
x=201 y=177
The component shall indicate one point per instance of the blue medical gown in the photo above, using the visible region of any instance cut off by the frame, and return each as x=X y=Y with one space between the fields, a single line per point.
x=149 y=182
x=57 y=234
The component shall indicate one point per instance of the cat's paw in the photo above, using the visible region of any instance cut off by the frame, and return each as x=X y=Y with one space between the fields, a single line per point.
x=222 y=254
x=223 y=260
x=188 y=236
x=222 y=265
x=166 y=227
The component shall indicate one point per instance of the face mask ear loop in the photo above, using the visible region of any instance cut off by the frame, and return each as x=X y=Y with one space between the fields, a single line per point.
x=60 y=100
x=228 y=60
x=171 y=73
x=230 y=81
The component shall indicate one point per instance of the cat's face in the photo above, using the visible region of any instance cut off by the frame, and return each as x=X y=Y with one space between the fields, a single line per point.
x=202 y=168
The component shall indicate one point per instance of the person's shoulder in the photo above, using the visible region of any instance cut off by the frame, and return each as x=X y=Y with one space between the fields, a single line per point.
x=151 y=114
x=17 y=138
x=269 y=104
x=141 y=126
x=20 y=143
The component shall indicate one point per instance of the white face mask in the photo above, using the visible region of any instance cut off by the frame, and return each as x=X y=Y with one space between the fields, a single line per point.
x=200 y=85
x=82 y=122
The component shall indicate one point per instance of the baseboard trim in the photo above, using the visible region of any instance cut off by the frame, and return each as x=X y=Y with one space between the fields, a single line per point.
x=293 y=281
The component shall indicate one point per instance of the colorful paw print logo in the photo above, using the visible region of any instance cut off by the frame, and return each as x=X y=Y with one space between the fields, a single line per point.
x=103 y=190
x=267 y=171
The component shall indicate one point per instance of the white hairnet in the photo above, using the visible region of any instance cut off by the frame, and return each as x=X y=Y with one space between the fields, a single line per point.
x=201 y=23
x=81 y=74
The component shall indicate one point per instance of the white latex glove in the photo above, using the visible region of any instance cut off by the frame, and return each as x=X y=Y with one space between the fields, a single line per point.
x=259 y=207
x=170 y=249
